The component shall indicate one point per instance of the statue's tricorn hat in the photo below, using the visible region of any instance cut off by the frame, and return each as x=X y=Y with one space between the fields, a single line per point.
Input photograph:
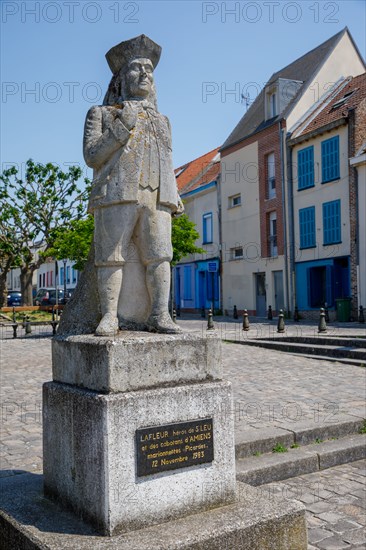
x=123 y=53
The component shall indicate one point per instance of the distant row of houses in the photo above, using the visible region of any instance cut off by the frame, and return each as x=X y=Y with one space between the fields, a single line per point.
x=280 y=206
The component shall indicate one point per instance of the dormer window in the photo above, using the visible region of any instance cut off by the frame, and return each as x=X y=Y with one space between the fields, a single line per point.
x=273 y=105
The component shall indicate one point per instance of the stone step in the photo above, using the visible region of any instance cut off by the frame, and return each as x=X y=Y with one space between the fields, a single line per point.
x=267 y=468
x=321 y=340
x=341 y=352
x=343 y=360
x=249 y=441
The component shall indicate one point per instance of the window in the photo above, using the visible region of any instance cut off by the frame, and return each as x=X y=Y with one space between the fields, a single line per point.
x=74 y=275
x=273 y=105
x=273 y=234
x=207 y=228
x=271 y=179
x=305 y=167
x=332 y=222
x=236 y=253
x=62 y=275
x=330 y=159
x=307 y=227
x=235 y=200
x=187 y=287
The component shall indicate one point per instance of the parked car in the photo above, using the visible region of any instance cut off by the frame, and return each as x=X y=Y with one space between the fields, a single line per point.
x=14 y=298
x=47 y=297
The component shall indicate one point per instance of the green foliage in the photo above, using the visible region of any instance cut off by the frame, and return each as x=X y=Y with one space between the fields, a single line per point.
x=278 y=448
x=362 y=430
x=318 y=440
x=294 y=446
x=184 y=237
x=74 y=242
x=31 y=211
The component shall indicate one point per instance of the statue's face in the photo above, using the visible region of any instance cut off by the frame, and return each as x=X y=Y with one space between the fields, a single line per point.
x=139 y=77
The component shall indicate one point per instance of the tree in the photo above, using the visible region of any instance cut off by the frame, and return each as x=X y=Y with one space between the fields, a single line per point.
x=184 y=237
x=74 y=242
x=31 y=212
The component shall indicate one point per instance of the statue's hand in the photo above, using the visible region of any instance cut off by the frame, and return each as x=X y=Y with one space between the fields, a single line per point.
x=128 y=115
x=112 y=120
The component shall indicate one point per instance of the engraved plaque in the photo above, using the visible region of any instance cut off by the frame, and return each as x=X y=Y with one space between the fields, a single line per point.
x=174 y=446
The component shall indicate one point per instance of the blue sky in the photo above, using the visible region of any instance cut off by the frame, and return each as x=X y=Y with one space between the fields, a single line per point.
x=53 y=67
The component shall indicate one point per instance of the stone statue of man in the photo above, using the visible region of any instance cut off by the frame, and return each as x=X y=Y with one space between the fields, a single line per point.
x=128 y=144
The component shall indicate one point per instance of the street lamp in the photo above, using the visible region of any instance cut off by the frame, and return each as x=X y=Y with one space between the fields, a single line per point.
x=64 y=261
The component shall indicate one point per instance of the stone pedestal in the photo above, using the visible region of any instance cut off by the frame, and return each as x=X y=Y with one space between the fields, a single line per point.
x=138 y=430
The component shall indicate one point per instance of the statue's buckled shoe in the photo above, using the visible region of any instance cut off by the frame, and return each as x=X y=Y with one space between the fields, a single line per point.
x=162 y=323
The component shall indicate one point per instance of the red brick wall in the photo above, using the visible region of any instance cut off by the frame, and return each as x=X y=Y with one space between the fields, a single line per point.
x=268 y=142
x=356 y=137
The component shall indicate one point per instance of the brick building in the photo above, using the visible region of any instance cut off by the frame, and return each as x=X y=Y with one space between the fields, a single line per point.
x=258 y=248
x=326 y=206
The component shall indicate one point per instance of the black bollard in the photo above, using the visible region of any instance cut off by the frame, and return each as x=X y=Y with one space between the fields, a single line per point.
x=361 y=317
x=281 y=322
x=326 y=312
x=203 y=313
x=174 y=316
x=14 y=315
x=322 y=323
x=270 y=313
x=235 y=315
x=296 y=314
x=210 y=325
x=245 y=320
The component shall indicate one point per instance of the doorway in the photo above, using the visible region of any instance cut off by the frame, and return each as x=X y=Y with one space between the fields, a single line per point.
x=261 y=303
x=278 y=290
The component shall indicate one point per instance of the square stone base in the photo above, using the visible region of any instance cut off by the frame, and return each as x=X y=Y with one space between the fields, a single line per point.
x=90 y=453
x=28 y=521
x=136 y=360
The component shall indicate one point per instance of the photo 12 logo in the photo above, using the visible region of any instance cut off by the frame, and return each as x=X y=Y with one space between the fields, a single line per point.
x=269 y=12
x=51 y=92
x=70 y=12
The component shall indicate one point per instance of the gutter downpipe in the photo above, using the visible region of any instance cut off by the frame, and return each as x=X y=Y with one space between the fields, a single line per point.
x=221 y=267
x=285 y=248
x=291 y=222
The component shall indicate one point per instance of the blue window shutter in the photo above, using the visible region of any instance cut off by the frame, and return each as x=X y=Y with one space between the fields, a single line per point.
x=332 y=222
x=207 y=228
x=305 y=167
x=307 y=227
x=330 y=159
x=204 y=222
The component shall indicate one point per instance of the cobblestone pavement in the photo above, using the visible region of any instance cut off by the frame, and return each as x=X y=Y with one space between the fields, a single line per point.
x=272 y=390
x=335 y=501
